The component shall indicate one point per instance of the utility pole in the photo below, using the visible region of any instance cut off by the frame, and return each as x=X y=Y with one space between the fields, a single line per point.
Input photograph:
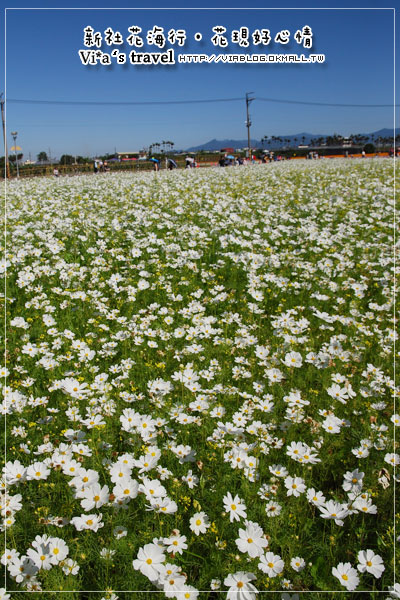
x=4 y=137
x=248 y=122
x=14 y=135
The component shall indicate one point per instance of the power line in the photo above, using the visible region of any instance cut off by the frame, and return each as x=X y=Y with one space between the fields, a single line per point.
x=110 y=103
x=326 y=103
x=163 y=102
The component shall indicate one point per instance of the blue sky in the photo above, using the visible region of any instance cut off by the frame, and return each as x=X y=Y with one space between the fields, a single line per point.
x=42 y=63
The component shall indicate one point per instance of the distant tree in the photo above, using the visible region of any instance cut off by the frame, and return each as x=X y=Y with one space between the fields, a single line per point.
x=369 y=148
x=67 y=159
x=42 y=156
x=11 y=158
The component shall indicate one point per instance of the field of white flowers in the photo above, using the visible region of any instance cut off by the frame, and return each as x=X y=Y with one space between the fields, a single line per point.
x=199 y=391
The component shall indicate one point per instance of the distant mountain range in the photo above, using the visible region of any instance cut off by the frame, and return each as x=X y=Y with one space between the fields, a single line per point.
x=296 y=138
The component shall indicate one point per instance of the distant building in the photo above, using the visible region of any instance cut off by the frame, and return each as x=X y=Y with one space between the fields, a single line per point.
x=228 y=150
x=131 y=155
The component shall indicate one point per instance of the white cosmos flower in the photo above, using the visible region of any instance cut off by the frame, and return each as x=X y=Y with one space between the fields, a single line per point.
x=353 y=480
x=293 y=359
x=271 y=564
x=199 y=523
x=370 y=562
x=92 y=522
x=240 y=587
x=297 y=563
x=58 y=550
x=347 y=576
x=120 y=532
x=70 y=567
x=392 y=459
x=235 y=506
x=175 y=543
x=273 y=509
x=251 y=539
x=40 y=557
x=38 y=470
x=149 y=561
x=395 y=419
x=295 y=486
x=94 y=496
x=188 y=592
